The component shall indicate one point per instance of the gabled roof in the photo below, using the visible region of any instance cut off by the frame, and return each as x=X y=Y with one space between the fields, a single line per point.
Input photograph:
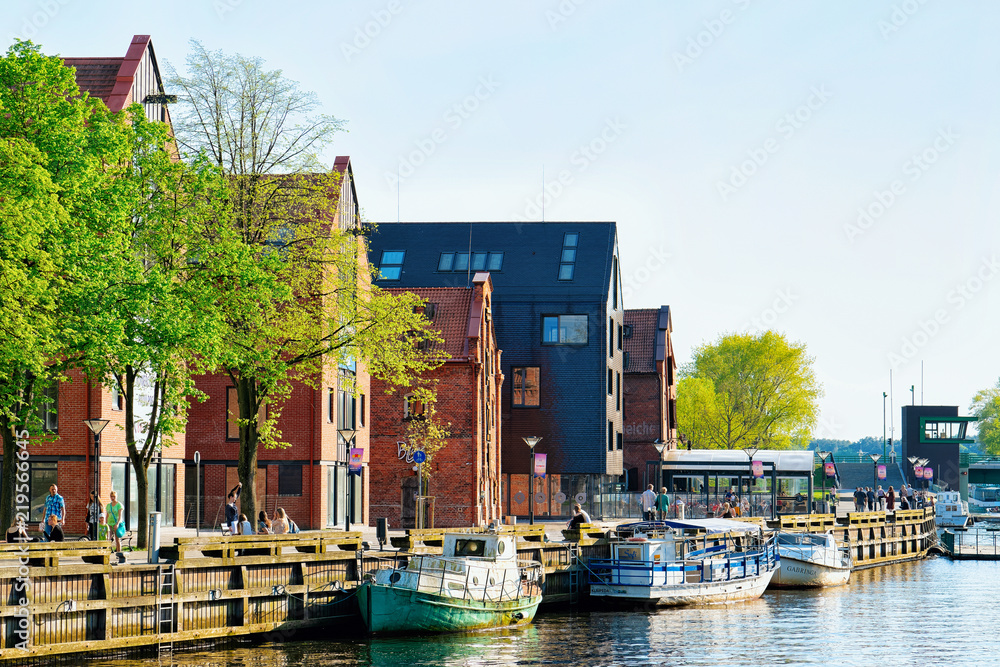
x=531 y=255
x=121 y=81
x=451 y=316
x=641 y=345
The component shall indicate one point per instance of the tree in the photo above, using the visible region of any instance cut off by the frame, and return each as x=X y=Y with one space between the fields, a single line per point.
x=986 y=409
x=763 y=393
x=277 y=263
x=54 y=191
x=426 y=431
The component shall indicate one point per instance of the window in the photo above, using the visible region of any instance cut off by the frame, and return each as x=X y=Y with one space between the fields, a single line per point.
x=618 y=439
x=611 y=336
x=564 y=329
x=117 y=400
x=477 y=261
x=391 y=265
x=567 y=259
x=346 y=405
x=361 y=411
x=289 y=480
x=232 y=415
x=524 y=389
x=614 y=280
x=621 y=336
x=412 y=408
x=618 y=391
x=611 y=382
x=330 y=405
x=48 y=409
x=611 y=436
x=41 y=477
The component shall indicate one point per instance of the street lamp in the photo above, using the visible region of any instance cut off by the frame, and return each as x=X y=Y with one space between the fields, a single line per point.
x=913 y=462
x=750 y=451
x=883 y=422
x=531 y=441
x=923 y=464
x=660 y=446
x=875 y=458
x=96 y=426
x=822 y=463
x=348 y=435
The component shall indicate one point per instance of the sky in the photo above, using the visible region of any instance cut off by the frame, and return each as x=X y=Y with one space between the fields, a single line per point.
x=823 y=169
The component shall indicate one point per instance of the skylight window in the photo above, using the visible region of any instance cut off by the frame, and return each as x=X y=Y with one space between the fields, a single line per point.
x=476 y=261
x=391 y=266
x=567 y=260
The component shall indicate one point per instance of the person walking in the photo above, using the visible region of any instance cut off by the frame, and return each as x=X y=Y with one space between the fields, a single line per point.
x=911 y=497
x=116 y=521
x=880 y=495
x=54 y=506
x=871 y=499
x=662 y=503
x=859 y=499
x=890 y=500
x=648 y=503
x=93 y=515
x=232 y=513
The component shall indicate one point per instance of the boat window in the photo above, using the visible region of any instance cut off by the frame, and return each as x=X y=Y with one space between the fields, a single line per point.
x=501 y=545
x=394 y=577
x=470 y=547
x=475 y=580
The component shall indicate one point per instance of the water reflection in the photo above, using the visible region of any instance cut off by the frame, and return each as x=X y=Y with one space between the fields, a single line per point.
x=935 y=611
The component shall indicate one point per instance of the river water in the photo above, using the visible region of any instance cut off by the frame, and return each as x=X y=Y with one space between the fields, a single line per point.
x=935 y=611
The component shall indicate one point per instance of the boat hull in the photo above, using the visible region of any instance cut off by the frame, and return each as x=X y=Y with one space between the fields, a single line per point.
x=676 y=595
x=798 y=573
x=388 y=609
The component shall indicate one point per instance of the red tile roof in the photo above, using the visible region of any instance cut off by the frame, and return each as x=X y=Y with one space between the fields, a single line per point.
x=451 y=316
x=641 y=345
x=111 y=78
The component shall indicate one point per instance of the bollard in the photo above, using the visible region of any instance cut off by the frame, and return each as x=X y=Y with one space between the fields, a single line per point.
x=381 y=531
x=680 y=510
x=153 y=538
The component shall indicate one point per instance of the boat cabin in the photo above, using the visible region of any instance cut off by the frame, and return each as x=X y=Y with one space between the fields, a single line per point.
x=490 y=546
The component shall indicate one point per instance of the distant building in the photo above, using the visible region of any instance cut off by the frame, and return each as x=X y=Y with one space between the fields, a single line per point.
x=465 y=475
x=650 y=400
x=559 y=321
x=934 y=432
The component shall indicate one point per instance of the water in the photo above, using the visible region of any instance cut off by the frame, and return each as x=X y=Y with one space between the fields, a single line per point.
x=935 y=612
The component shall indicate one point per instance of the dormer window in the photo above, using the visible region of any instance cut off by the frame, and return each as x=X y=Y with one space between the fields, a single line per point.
x=567 y=259
x=391 y=265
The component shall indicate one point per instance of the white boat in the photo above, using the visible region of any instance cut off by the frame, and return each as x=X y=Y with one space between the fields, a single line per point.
x=984 y=499
x=477 y=583
x=674 y=563
x=950 y=511
x=810 y=560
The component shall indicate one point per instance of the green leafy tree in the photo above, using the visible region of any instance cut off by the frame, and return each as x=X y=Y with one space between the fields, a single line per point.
x=54 y=196
x=280 y=267
x=696 y=410
x=986 y=409
x=764 y=393
x=427 y=431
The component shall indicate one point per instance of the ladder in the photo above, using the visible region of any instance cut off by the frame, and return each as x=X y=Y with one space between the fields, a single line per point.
x=574 y=572
x=165 y=608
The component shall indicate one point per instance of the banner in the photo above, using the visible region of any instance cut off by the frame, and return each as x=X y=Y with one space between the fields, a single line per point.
x=881 y=472
x=357 y=456
x=918 y=472
x=539 y=465
x=830 y=469
x=928 y=473
x=758 y=469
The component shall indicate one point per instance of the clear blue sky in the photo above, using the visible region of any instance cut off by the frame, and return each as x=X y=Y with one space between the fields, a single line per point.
x=826 y=169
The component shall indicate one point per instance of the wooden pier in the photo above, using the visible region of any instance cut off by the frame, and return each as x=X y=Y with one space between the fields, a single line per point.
x=69 y=597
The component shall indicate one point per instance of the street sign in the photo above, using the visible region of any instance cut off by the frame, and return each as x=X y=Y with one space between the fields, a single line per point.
x=419 y=456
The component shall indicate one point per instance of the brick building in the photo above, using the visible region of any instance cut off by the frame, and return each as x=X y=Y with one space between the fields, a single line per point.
x=558 y=318
x=464 y=475
x=68 y=457
x=308 y=477
x=650 y=393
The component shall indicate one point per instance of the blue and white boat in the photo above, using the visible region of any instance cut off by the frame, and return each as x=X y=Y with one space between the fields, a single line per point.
x=673 y=563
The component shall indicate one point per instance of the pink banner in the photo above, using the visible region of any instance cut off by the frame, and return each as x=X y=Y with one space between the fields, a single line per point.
x=540 y=465
x=918 y=472
x=928 y=473
x=758 y=469
x=830 y=469
x=357 y=457
x=881 y=472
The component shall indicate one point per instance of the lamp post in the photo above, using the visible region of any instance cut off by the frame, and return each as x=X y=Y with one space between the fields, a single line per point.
x=913 y=462
x=197 y=506
x=660 y=446
x=750 y=451
x=883 y=422
x=96 y=426
x=348 y=435
x=875 y=458
x=822 y=464
x=531 y=441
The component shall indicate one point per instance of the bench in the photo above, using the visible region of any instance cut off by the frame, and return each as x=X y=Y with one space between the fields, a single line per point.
x=243 y=546
x=47 y=554
x=585 y=533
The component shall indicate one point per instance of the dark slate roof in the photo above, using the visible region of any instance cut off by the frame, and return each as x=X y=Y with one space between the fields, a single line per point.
x=641 y=345
x=451 y=315
x=531 y=255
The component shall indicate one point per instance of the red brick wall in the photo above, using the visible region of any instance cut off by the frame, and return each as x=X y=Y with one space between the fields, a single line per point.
x=644 y=423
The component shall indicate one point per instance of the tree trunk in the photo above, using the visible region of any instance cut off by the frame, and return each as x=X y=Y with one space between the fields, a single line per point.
x=11 y=486
x=142 y=486
x=248 y=398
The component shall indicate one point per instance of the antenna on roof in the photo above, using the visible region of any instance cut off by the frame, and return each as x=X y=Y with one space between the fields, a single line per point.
x=543 y=193
x=468 y=272
x=397 y=192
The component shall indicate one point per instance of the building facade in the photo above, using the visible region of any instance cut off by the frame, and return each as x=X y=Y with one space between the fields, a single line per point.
x=935 y=433
x=558 y=316
x=650 y=394
x=462 y=486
